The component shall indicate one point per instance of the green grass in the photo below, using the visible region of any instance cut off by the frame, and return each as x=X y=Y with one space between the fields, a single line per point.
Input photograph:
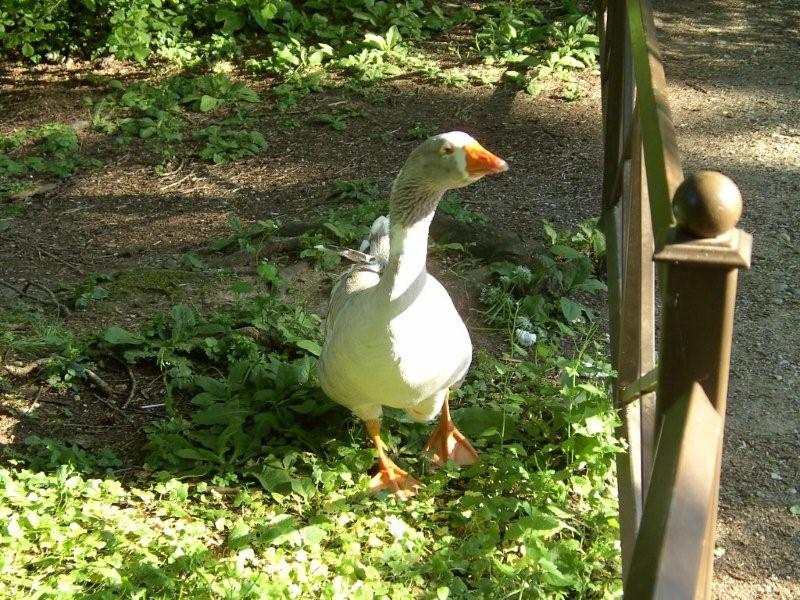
x=255 y=485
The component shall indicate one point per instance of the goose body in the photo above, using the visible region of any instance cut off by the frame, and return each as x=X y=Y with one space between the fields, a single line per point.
x=393 y=336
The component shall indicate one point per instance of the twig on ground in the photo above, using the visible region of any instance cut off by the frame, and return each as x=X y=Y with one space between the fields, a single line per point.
x=51 y=401
x=22 y=292
x=99 y=382
x=88 y=426
x=175 y=183
x=114 y=407
x=132 y=385
x=66 y=312
x=75 y=268
x=35 y=399
x=175 y=172
x=152 y=406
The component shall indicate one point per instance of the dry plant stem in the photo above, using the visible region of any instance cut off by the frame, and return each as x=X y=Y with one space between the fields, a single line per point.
x=35 y=399
x=99 y=382
x=63 y=309
x=132 y=385
x=75 y=268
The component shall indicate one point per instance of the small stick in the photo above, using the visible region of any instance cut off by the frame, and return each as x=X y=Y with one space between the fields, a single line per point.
x=113 y=407
x=88 y=427
x=174 y=183
x=48 y=291
x=27 y=295
x=99 y=382
x=35 y=399
x=24 y=292
x=131 y=378
x=51 y=401
x=61 y=260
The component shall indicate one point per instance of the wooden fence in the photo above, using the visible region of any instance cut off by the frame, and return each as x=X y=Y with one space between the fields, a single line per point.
x=679 y=233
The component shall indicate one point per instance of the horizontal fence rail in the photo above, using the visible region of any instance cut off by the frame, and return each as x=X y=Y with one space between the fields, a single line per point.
x=680 y=232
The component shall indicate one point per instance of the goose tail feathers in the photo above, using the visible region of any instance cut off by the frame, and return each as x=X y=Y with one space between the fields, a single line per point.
x=378 y=242
x=373 y=251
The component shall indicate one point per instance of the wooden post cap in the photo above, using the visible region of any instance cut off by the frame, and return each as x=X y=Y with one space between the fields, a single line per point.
x=707 y=204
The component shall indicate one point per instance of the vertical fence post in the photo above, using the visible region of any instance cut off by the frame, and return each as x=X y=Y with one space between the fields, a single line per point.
x=623 y=177
x=702 y=258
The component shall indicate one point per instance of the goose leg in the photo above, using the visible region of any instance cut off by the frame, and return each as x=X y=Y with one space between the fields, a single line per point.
x=448 y=443
x=389 y=475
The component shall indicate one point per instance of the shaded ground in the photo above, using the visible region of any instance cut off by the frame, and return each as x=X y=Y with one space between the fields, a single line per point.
x=735 y=104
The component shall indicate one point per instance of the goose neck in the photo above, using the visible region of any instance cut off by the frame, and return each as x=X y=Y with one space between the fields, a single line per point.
x=410 y=214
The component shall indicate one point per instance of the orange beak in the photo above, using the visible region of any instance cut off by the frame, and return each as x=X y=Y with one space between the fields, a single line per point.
x=481 y=162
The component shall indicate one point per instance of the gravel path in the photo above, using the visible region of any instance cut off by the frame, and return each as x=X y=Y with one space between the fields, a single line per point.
x=734 y=75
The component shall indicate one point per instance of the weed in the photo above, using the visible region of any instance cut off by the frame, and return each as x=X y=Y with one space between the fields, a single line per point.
x=155 y=113
x=51 y=150
x=225 y=145
x=249 y=239
x=90 y=290
x=451 y=205
x=420 y=132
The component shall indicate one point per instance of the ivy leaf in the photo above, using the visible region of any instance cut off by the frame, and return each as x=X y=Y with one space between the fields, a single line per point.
x=565 y=251
x=571 y=310
x=234 y=21
x=117 y=336
x=271 y=478
x=309 y=346
x=265 y=14
x=208 y=103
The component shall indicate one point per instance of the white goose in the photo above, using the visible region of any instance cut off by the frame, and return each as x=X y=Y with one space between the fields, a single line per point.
x=393 y=336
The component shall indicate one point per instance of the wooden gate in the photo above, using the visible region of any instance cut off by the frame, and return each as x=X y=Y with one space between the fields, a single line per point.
x=679 y=233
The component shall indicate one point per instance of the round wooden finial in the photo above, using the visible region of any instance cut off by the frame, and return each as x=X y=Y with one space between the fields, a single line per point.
x=707 y=204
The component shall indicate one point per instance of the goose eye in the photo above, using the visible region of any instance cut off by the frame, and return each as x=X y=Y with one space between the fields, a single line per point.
x=447 y=149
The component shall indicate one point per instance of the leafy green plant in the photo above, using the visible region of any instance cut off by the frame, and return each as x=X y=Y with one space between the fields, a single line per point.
x=336 y=121
x=209 y=92
x=50 y=150
x=90 y=290
x=225 y=145
x=154 y=113
x=420 y=132
x=248 y=238
x=533 y=299
x=451 y=205
x=346 y=225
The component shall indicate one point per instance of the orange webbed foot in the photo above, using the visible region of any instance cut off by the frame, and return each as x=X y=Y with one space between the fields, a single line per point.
x=394 y=479
x=448 y=443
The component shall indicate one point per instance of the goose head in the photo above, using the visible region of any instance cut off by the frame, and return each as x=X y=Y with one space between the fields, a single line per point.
x=451 y=160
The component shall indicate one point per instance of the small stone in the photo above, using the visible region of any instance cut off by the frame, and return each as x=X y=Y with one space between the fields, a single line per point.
x=776 y=476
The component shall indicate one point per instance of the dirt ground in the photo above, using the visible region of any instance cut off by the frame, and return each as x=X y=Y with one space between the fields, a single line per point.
x=735 y=92
x=733 y=69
